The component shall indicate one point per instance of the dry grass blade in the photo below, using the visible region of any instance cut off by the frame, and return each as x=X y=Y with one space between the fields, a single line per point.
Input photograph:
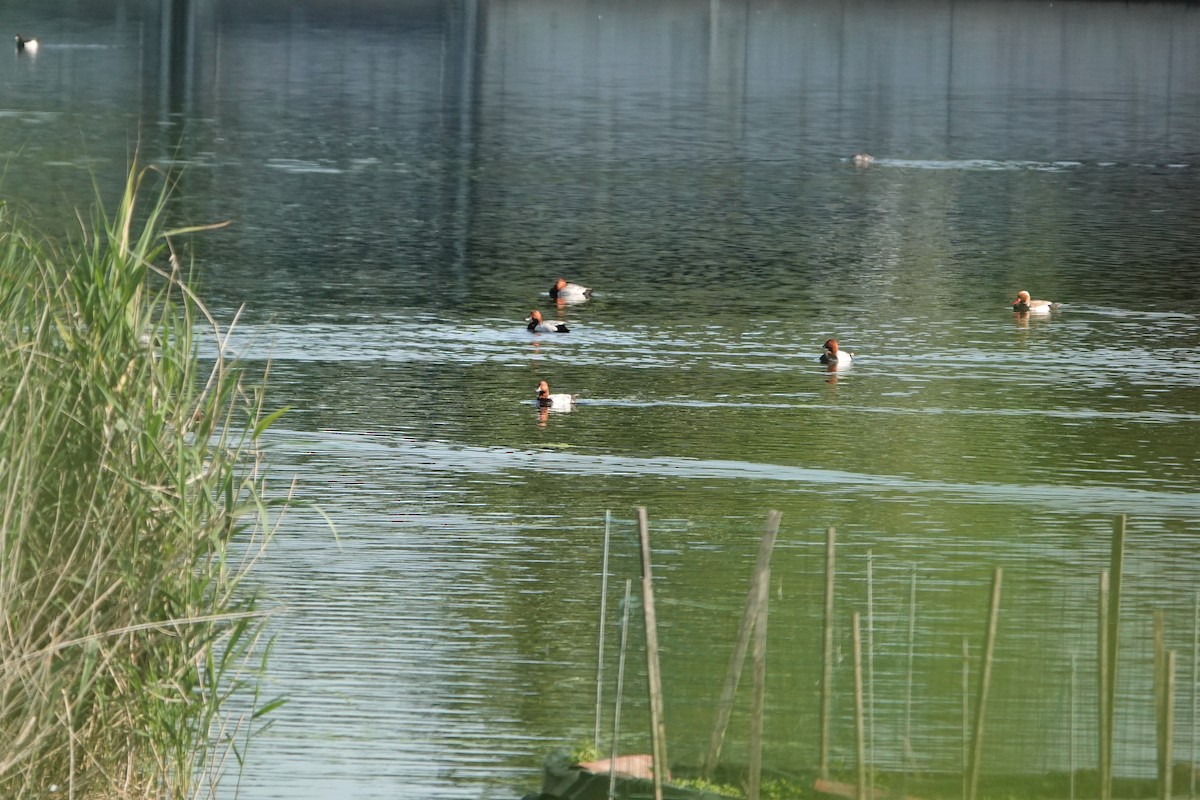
x=130 y=507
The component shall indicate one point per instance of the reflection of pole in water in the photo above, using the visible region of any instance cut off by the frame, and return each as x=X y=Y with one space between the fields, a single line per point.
x=177 y=32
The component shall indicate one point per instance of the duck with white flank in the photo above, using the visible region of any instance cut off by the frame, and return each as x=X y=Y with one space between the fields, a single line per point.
x=561 y=290
x=537 y=325
x=839 y=359
x=559 y=402
x=24 y=45
x=1023 y=305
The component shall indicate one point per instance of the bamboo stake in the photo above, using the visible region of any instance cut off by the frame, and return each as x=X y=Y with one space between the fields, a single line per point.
x=1168 y=724
x=870 y=668
x=909 y=761
x=658 y=733
x=1103 y=767
x=759 y=704
x=1114 y=624
x=1071 y=737
x=1195 y=667
x=612 y=773
x=600 y=631
x=762 y=573
x=966 y=714
x=985 y=678
x=1160 y=686
x=860 y=737
x=827 y=655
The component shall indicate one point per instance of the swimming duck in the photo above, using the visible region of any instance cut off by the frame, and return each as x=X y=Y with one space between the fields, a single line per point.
x=1023 y=305
x=536 y=325
x=862 y=159
x=26 y=45
x=561 y=290
x=556 y=401
x=834 y=356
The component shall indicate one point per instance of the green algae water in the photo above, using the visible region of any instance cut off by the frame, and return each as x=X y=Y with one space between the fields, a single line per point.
x=405 y=184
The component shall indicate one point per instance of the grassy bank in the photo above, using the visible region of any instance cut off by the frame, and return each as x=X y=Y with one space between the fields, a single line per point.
x=130 y=511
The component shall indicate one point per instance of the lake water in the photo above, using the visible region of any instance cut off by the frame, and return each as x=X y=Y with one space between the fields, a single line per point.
x=405 y=180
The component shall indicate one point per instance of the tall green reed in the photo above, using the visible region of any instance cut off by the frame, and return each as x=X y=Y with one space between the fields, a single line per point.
x=132 y=507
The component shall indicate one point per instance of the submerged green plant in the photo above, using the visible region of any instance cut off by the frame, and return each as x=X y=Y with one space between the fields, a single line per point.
x=131 y=507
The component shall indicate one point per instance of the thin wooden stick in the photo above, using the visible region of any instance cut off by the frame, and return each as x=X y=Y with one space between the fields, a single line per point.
x=600 y=631
x=1103 y=768
x=1158 y=628
x=612 y=773
x=827 y=655
x=658 y=731
x=909 y=760
x=1195 y=667
x=860 y=737
x=985 y=678
x=966 y=715
x=1168 y=724
x=759 y=704
x=1071 y=767
x=1114 y=625
x=762 y=572
x=870 y=668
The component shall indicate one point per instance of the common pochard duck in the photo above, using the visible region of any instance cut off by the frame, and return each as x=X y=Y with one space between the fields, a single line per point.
x=559 y=402
x=862 y=159
x=1023 y=305
x=561 y=290
x=836 y=357
x=537 y=325
x=26 y=45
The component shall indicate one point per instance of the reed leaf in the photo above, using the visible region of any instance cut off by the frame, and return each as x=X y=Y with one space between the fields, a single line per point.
x=131 y=509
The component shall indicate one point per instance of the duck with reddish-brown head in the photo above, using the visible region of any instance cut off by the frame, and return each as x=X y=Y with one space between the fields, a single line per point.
x=834 y=357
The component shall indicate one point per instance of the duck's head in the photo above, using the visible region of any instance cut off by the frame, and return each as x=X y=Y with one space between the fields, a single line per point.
x=535 y=316
x=543 y=393
x=831 y=346
x=1022 y=297
x=560 y=284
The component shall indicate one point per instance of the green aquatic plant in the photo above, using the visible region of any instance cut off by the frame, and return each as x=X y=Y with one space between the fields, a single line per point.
x=708 y=787
x=583 y=752
x=132 y=506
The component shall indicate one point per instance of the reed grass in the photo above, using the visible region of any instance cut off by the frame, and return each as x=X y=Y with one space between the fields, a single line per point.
x=131 y=510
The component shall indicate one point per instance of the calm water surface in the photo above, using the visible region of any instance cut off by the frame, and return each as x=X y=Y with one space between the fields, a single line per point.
x=406 y=181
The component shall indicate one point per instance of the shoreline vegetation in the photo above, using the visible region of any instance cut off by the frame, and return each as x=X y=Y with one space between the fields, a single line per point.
x=133 y=508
